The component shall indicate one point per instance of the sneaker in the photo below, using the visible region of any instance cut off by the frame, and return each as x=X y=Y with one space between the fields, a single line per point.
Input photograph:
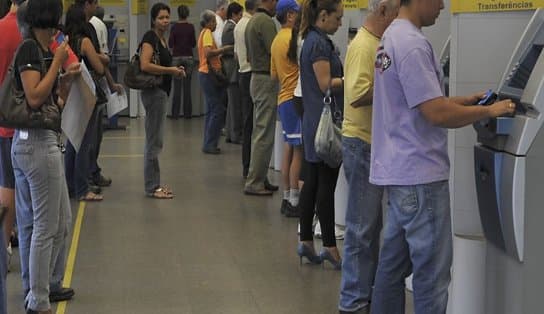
x=283 y=206
x=291 y=211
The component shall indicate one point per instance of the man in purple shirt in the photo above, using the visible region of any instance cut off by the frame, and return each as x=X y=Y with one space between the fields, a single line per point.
x=410 y=159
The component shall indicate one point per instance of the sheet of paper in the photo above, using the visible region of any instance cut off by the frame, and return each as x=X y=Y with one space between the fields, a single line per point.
x=79 y=107
x=117 y=103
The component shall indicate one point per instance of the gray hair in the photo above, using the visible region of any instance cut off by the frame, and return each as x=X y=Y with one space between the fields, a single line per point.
x=373 y=5
x=222 y=4
x=206 y=16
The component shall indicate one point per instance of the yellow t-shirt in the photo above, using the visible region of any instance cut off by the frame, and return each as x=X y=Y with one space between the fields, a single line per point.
x=281 y=67
x=358 y=79
x=206 y=40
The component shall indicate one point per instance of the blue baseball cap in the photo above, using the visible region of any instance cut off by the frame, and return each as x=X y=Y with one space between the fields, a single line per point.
x=287 y=5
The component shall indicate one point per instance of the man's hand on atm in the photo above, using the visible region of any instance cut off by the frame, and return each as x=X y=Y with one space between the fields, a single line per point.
x=501 y=108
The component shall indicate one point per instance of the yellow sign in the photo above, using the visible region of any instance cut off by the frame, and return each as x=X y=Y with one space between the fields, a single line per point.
x=112 y=3
x=177 y=3
x=475 y=6
x=139 y=7
x=355 y=4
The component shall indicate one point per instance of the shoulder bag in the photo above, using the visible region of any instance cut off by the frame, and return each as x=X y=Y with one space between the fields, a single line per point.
x=135 y=78
x=328 y=138
x=14 y=109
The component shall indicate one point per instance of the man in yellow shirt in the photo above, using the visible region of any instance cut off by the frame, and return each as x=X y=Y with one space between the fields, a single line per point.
x=364 y=212
x=285 y=70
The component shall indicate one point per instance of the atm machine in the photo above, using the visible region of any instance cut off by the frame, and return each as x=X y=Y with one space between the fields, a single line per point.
x=509 y=173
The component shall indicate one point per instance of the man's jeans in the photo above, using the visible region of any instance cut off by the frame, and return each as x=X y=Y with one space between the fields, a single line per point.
x=264 y=94
x=417 y=238
x=215 y=111
x=363 y=227
x=154 y=101
x=42 y=207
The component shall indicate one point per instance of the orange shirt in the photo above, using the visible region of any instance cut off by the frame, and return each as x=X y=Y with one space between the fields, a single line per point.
x=206 y=40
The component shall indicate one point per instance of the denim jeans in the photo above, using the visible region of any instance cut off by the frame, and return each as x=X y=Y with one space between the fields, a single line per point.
x=78 y=164
x=42 y=206
x=3 y=273
x=215 y=111
x=188 y=64
x=363 y=227
x=418 y=239
x=154 y=101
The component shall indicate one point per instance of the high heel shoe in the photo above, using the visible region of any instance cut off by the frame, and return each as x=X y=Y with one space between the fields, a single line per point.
x=325 y=255
x=304 y=250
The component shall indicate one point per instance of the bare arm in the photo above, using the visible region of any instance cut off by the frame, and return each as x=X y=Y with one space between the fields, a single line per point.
x=147 y=66
x=38 y=89
x=210 y=53
x=322 y=71
x=444 y=112
x=87 y=49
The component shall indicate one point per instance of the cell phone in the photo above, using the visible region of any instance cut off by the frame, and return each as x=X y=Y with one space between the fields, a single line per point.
x=60 y=38
x=489 y=98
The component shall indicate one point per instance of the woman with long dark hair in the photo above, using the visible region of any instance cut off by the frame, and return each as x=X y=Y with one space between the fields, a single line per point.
x=320 y=71
x=42 y=203
x=77 y=164
x=155 y=99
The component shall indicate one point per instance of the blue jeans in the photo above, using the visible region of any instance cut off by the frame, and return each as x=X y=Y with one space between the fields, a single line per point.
x=417 y=239
x=363 y=227
x=78 y=163
x=42 y=208
x=215 y=111
x=154 y=101
x=3 y=272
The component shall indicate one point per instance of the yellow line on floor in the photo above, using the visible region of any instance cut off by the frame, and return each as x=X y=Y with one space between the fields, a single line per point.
x=61 y=307
x=123 y=156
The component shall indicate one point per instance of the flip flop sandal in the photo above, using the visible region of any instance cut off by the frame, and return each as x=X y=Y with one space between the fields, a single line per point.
x=91 y=197
x=160 y=193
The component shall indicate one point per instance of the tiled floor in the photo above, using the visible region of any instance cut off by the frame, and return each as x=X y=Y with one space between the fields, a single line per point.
x=209 y=250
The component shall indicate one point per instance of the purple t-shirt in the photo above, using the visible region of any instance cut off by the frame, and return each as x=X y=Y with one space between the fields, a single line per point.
x=407 y=149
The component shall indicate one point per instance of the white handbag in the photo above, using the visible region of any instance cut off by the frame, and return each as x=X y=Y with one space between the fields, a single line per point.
x=328 y=138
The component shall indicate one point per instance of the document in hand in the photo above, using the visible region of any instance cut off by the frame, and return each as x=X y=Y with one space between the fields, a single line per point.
x=79 y=107
x=117 y=103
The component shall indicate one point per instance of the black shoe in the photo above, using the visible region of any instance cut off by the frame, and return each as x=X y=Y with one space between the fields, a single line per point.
x=364 y=310
x=263 y=192
x=102 y=181
x=245 y=172
x=95 y=189
x=291 y=211
x=270 y=187
x=284 y=204
x=212 y=151
x=63 y=294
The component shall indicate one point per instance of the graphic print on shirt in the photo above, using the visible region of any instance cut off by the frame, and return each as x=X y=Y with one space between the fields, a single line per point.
x=383 y=61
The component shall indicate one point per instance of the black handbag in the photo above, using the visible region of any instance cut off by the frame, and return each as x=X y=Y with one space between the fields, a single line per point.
x=15 y=112
x=135 y=78
x=218 y=76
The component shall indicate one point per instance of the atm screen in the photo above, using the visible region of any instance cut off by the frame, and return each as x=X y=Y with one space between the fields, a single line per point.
x=521 y=76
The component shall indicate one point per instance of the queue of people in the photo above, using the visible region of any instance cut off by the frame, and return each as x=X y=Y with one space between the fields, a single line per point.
x=387 y=96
